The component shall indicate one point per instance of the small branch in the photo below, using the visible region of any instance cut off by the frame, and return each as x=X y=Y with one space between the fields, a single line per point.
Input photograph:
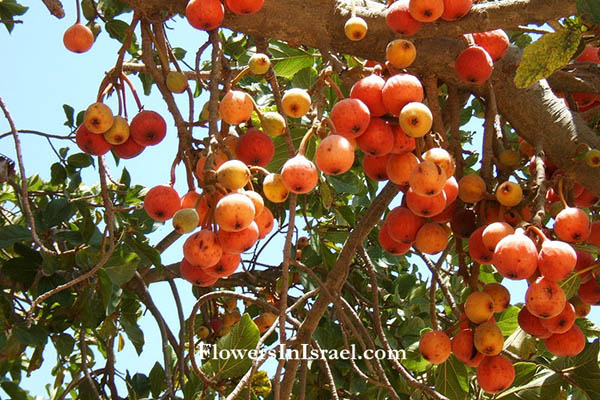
x=435 y=275
x=84 y=367
x=431 y=89
x=55 y=7
x=539 y=202
x=491 y=113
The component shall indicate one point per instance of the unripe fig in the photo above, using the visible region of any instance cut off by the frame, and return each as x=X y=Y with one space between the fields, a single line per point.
x=98 y=118
x=185 y=220
x=296 y=102
x=355 y=28
x=259 y=63
x=499 y=294
x=416 y=119
x=488 y=339
x=177 y=81
x=479 y=307
x=510 y=158
x=233 y=174
x=273 y=124
x=118 y=133
x=274 y=188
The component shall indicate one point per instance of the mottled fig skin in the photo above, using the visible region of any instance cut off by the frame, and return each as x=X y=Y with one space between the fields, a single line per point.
x=556 y=260
x=334 y=155
x=515 y=256
x=236 y=107
x=255 y=148
x=572 y=224
x=234 y=212
x=403 y=224
x=545 y=299
x=195 y=274
x=477 y=249
x=390 y=245
x=464 y=348
x=377 y=139
x=427 y=179
x=162 y=202
x=532 y=324
x=225 y=267
x=238 y=242
x=299 y=174
x=495 y=374
x=488 y=339
x=567 y=344
x=426 y=206
x=368 y=90
x=500 y=295
x=562 y=322
x=376 y=167
x=350 y=117
x=202 y=249
x=479 y=307
x=435 y=347
x=471 y=188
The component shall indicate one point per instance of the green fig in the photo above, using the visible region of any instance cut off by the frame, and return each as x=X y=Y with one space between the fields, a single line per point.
x=185 y=220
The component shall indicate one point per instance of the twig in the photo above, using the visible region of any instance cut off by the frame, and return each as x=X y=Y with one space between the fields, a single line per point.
x=454 y=107
x=84 y=367
x=55 y=7
x=540 y=184
x=180 y=350
x=34 y=132
x=431 y=90
x=491 y=113
x=434 y=273
x=23 y=187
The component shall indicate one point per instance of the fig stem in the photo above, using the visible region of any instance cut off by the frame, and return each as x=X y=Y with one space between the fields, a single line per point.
x=258 y=112
x=133 y=91
x=305 y=139
x=538 y=232
x=561 y=193
x=104 y=91
x=239 y=76
x=334 y=86
x=78 y=7
x=256 y=168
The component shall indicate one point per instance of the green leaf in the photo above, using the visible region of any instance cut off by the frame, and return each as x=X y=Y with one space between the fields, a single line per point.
x=70 y=114
x=64 y=344
x=590 y=8
x=507 y=321
x=451 y=379
x=571 y=285
x=57 y=212
x=157 y=380
x=35 y=335
x=80 y=160
x=141 y=384
x=116 y=29
x=8 y=9
x=584 y=370
x=134 y=333
x=111 y=293
x=544 y=56
x=58 y=175
x=11 y=234
x=243 y=337
x=121 y=266
x=12 y=389
x=289 y=67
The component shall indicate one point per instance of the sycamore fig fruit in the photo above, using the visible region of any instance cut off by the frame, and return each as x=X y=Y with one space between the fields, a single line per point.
x=274 y=188
x=592 y=158
x=78 y=38
x=176 y=82
x=355 y=28
x=118 y=132
x=400 y=53
x=296 y=102
x=259 y=64
x=185 y=220
x=233 y=174
x=273 y=124
x=98 y=118
x=202 y=332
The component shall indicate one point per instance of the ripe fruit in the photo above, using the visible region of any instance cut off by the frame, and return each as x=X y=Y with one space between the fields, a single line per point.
x=236 y=107
x=474 y=65
x=441 y=157
x=368 y=90
x=435 y=346
x=255 y=148
x=233 y=174
x=403 y=225
x=193 y=199
x=562 y=322
x=226 y=266
x=273 y=124
x=425 y=206
x=205 y=14
x=91 y=143
x=299 y=174
x=350 y=117
x=494 y=42
x=377 y=139
x=399 y=20
x=296 y=102
x=400 y=53
x=257 y=200
x=264 y=221
x=471 y=188
x=532 y=324
x=402 y=142
x=478 y=251
x=400 y=90
x=98 y=118
x=432 y=238
x=488 y=339
x=259 y=63
x=274 y=189
x=582 y=309
x=495 y=374
x=572 y=225
x=185 y=220
x=509 y=194
x=78 y=38
x=426 y=10
x=589 y=54
x=355 y=28
x=499 y=294
x=202 y=332
x=400 y=166
x=118 y=133
x=162 y=202
x=464 y=349
x=244 y=7
x=148 y=128
x=390 y=245
x=479 y=307
x=544 y=298
x=240 y=241
x=556 y=260
x=234 y=212
x=464 y=223
x=231 y=318
x=495 y=232
x=176 y=82
x=129 y=149
x=456 y=9
x=589 y=292
x=427 y=179
x=567 y=344
x=334 y=155
x=195 y=275
x=515 y=256
x=375 y=167
x=510 y=158
x=202 y=249
x=416 y=119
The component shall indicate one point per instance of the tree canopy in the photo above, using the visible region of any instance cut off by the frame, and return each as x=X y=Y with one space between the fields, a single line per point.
x=332 y=159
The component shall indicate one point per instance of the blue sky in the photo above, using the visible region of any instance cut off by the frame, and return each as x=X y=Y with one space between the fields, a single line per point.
x=37 y=76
